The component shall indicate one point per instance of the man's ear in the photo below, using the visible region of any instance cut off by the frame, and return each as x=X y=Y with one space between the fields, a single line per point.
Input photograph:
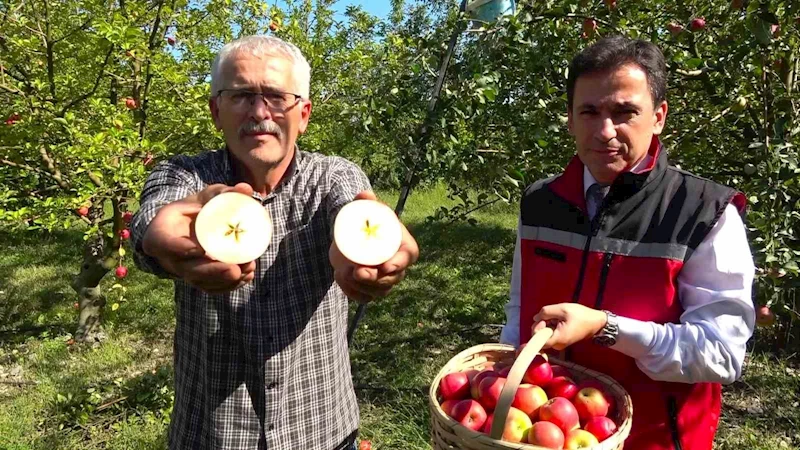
x=660 y=117
x=212 y=105
x=305 y=115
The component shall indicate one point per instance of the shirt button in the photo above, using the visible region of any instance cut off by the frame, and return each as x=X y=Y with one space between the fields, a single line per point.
x=271 y=427
x=272 y=385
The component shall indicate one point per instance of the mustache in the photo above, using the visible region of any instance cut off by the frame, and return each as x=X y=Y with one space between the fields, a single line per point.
x=261 y=127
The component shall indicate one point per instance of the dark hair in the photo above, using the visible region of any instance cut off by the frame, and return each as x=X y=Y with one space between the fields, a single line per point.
x=613 y=52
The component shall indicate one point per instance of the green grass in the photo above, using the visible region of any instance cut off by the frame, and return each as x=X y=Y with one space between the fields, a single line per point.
x=118 y=395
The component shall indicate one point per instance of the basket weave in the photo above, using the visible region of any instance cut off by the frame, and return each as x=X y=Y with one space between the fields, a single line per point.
x=447 y=434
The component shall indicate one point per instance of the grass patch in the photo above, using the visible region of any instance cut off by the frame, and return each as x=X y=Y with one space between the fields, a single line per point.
x=119 y=395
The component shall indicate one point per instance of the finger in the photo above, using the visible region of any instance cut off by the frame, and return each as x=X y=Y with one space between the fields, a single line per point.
x=248 y=267
x=550 y=312
x=365 y=274
x=407 y=254
x=244 y=188
x=371 y=289
x=212 y=191
x=539 y=325
x=366 y=195
x=350 y=290
x=207 y=272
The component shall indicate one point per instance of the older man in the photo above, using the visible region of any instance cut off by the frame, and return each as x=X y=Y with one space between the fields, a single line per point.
x=643 y=270
x=261 y=358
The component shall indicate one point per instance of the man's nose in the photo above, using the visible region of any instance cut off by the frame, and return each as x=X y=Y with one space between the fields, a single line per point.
x=607 y=129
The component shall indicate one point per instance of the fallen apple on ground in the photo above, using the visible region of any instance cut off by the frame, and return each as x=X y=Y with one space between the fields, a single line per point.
x=233 y=228
x=367 y=232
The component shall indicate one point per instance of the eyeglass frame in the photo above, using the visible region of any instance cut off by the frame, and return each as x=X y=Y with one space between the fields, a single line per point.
x=297 y=97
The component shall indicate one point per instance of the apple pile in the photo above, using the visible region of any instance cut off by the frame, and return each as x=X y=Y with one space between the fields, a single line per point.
x=550 y=409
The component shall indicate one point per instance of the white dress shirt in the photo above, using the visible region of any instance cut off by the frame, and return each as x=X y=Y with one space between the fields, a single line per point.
x=714 y=288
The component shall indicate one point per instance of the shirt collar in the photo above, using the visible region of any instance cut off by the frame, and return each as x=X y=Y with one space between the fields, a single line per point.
x=589 y=180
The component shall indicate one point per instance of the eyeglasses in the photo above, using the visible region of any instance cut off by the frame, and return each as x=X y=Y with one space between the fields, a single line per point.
x=243 y=99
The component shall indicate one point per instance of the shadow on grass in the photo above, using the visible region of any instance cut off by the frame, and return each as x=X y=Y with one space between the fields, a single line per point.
x=448 y=302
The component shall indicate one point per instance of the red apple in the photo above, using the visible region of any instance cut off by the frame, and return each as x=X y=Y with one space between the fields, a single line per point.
x=273 y=26
x=76 y=305
x=454 y=386
x=589 y=403
x=127 y=216
x=475 y=381
x=589 y=26
x=517 y=426
x=577 y=439
x=601 y=427
x=469 y=413
x=489 y=391
x=121 y=272
x=447 y=406
x=561 y=412
x=83 y=211
x=125 y=234
x=529 y=399
x=503 y=373
x=12 y=119
x=539 y=372
x=675 y=28
x=765 y=317
x=365 y=445
x=170 y=40
x=148 y=158
x=547 y=435
x=561 y=387
x=697 y=24
x=593 y=383
x=611 y=4
x=130 y=103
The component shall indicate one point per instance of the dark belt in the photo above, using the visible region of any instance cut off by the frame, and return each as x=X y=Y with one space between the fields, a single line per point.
x=348 y=442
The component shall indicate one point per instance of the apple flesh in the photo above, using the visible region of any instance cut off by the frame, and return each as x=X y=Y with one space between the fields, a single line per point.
x=233 y=228
x=367 y=232
x=601 y=427
x=547 y=435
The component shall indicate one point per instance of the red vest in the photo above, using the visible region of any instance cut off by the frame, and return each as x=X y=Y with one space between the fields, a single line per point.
x=627 y=261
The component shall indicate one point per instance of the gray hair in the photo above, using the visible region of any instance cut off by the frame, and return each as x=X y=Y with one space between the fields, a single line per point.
x=264 y=46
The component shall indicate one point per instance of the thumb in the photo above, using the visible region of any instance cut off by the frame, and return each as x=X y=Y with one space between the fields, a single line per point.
x=550 y=312
x=366 y=195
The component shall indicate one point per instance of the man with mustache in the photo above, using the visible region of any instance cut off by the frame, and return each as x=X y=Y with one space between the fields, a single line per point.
x=261 y=355
x=644 y=271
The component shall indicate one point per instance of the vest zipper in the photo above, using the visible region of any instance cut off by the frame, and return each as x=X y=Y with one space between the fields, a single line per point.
x=595 y=227
x=672 y=409
x=603 y=277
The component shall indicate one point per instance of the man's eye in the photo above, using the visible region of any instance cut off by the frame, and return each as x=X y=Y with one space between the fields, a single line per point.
x=588 y=113
x=273 y=96
x=241 y=95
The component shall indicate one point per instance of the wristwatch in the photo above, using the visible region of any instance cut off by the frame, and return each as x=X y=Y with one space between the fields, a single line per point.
x=607 y=336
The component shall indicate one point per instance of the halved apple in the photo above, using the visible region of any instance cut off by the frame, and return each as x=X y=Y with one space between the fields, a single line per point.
x=233 y=228
x=367 y=232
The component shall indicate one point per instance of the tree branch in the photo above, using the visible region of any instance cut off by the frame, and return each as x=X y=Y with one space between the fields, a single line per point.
x=51 y=75
x=58 y=178
x=94 y=88
x=52 y=169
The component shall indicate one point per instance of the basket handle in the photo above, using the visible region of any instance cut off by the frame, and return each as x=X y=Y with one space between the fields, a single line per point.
x=524 y=360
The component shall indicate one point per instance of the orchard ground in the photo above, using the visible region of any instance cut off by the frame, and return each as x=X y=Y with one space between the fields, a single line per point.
x=119 y=395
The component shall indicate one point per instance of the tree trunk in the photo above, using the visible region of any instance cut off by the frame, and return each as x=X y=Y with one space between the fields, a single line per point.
x=91 y=299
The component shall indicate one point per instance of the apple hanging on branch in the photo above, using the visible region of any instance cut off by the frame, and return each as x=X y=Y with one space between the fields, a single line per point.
x=233 y=228
x=367 y=232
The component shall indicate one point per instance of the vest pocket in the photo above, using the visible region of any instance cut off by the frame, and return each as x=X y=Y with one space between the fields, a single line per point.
x=672 y=420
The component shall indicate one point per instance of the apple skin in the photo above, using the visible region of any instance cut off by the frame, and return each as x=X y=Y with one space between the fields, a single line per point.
x=590 y=382
x=475 y=381
x=489 y=391
x=469 y=413
x=130 y=103
x=590 y=402
x=601 y=427
x=127 y=216
x=562 y=387
x=561 y=412
x=517 y=426
x=697 y=24
x=454 y=386
x=560 y=371
x=121 y=272
x=447 y=406
x=529 y=399
x=83 y=211
x=547 y=435
x=765 y=317
x=577 y=439
x=539 y=372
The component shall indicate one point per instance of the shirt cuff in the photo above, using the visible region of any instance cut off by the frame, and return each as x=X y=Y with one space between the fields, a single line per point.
x=634 y=338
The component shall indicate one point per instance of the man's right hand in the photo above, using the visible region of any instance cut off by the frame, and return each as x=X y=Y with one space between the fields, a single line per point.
x=170 y=239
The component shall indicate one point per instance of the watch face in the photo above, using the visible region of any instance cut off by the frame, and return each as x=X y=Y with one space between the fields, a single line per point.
x=605 y=341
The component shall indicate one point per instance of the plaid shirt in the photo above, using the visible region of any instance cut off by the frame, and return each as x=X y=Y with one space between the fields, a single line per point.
x=266 y=366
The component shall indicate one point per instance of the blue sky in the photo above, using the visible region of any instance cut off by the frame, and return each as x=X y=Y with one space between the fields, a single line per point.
x=380 y=8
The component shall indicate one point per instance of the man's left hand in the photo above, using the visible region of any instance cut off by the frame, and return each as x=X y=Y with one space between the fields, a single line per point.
x=572 y=322
x=364 y=284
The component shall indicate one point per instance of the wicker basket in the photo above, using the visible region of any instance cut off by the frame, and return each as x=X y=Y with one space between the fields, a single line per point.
x=447 y=434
